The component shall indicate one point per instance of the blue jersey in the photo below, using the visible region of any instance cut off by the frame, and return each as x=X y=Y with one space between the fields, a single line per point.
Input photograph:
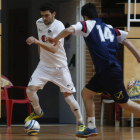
x=102 y=42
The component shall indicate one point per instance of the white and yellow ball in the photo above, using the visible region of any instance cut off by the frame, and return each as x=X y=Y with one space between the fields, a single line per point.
x=32 y=127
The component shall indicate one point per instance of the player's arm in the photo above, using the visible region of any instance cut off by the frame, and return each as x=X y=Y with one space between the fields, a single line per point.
x=131 y=47
x=79 y=29
x=63 y=34
x=47 y=45
x=121 y=37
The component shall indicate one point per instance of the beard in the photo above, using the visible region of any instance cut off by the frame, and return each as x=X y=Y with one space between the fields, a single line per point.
x=46 y=22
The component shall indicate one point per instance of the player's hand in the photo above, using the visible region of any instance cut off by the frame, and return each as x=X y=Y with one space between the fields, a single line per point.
x=52 y=40
x=31 y=40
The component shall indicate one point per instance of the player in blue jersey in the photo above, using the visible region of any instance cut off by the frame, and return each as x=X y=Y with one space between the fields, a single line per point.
x=102 y=42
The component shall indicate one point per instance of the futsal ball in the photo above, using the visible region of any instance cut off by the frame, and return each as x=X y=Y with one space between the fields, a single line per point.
x=32 y=127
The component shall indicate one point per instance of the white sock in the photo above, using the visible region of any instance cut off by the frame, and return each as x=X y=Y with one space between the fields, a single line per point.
x=91 y=122
x=75 y=108
x=34 y=100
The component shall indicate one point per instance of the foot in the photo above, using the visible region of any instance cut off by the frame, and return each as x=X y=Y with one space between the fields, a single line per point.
x=33 y=116
x=81 y=127
x=87 y=133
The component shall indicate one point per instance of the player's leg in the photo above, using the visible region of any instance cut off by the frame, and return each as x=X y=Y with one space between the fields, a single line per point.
x=91 y=88
x=113 y=77
x=87 y=96
x=33 y=97
x=131 y=106
x=91 y=129
x=34 y=100
x=62 y=78
x=38 y=80
x=74 y=106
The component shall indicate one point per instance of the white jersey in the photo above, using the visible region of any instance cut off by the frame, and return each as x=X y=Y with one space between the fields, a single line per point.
x=47 y=58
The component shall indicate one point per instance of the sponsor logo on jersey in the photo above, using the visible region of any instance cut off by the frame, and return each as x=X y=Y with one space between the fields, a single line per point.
x=43 y=38
x=49 y=32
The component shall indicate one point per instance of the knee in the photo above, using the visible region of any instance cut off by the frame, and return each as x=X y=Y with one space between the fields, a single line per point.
x=70 y=99
x=32 y=89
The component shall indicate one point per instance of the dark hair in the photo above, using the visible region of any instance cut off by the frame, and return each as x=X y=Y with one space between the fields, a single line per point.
x=47 y=6
x=89 y=10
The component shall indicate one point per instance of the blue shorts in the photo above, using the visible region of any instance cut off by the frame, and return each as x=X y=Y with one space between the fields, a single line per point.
x=110 y=81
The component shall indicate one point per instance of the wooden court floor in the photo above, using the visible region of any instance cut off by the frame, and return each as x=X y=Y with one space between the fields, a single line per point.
x=67 y=132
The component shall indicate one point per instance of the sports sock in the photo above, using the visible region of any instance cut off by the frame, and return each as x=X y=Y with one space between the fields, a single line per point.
x=34 y=100
x=91 y=122
x=75 y=108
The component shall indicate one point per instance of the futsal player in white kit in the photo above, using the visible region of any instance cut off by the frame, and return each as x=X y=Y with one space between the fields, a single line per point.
x=52 y=66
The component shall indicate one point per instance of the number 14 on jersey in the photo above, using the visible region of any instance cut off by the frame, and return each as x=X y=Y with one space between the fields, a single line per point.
x=106 y=35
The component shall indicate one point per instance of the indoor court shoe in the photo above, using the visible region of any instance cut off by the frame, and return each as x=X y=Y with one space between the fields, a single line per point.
x=81 y=127
x=87 y=133
x=33 y=116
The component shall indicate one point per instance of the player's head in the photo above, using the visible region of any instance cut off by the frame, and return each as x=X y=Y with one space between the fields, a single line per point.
x=48 y=13
x=89 y=11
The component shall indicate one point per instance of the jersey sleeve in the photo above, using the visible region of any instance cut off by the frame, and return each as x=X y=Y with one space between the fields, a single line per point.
x=80 y=28
x=121 y=35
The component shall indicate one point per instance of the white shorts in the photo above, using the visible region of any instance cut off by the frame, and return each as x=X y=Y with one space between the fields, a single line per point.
x=59 y=76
